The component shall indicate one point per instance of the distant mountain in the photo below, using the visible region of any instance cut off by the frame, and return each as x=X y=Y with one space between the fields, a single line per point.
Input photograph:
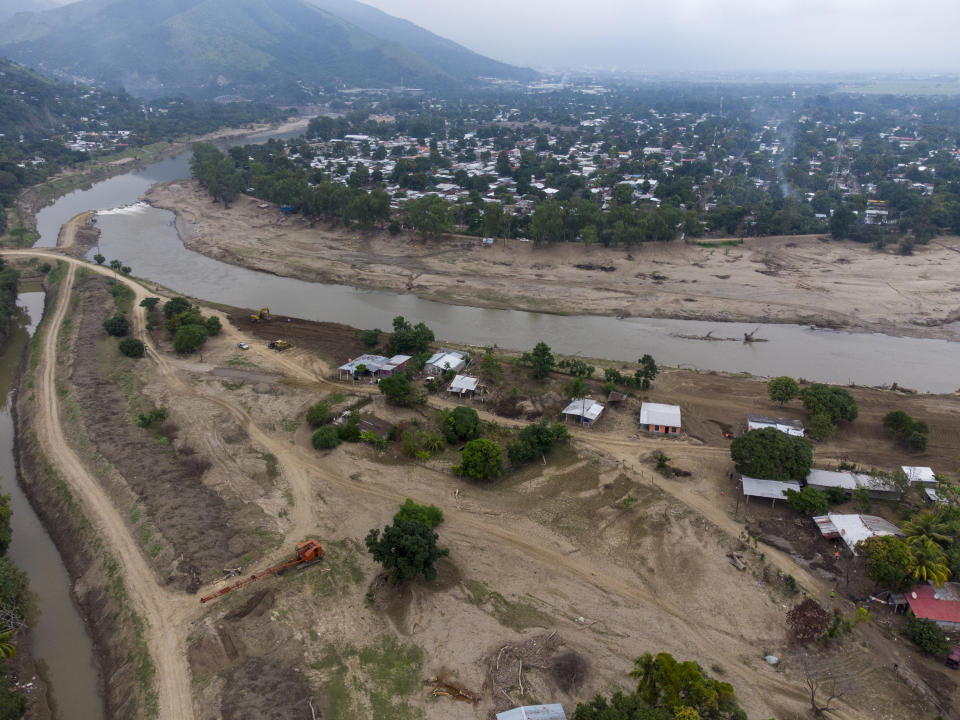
x=9 y=8
x=266 y=49
x=456 y=59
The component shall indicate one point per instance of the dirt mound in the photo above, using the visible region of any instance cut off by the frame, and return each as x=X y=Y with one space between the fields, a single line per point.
x=331 y=340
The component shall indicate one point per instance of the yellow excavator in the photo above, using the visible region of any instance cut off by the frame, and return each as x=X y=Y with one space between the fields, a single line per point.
x=261 y=316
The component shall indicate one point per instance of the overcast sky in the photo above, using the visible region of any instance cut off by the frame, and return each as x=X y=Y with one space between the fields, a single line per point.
x=700 y=35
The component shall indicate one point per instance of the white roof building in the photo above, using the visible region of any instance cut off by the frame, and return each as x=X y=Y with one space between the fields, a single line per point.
x=853 y=529
x=585 y=408
x=922 y=475
x=463 y=384
x=446 y=360
x=659 y=414
x=771 y=489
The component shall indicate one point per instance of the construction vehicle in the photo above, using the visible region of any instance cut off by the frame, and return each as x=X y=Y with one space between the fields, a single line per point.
x=309 y=552
x=279 y=345
x=261 y=316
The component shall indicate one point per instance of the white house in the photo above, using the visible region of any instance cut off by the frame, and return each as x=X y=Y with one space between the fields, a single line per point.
x=444 y=360
x=659 y=418
x=463 y=385
x=585 y=410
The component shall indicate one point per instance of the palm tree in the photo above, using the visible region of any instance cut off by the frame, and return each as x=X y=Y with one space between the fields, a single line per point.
x=929 y=525
x=7 y=648
x=931 y=563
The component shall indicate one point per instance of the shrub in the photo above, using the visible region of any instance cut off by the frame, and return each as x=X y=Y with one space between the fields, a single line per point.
x=175 y=306
x=213 y=325
x=131 y=347
x=349 y=432
x=809 y=501
x=429 y=515
x=821 y=427
x=149 y=303
x=535 y=440
x=370 y=337
x=417 y=443
x=326 y=438
x=117 y=325
x=398 y=390
x=319 y=414
x=928 y=636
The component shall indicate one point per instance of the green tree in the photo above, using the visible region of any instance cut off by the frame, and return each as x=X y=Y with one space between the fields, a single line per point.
x=431 y=215
x=647 y=373
x=928 y=636
x=782 y=389
x=898 y=423
x=319 y=414
x=769 y=454
x=821 y=427
x=326 y=438
x=117 y=325
x=928 y=524
x=189 y=338
x=664 y=682
x=213 y=325
x=149 y=303
x=429 y=515
x=620 y=707
x=461 y=423
x=540 y=359
x=398 y=390
x=406 y=548
x=889 y=561
x=407 y=338
x=175 y=306
x=836 y=402
x=930 y=562
x=490 y=368
x=481 y=460
x=7 y=648
x=535 y=440
x=504 y=168
x=809 y=501
x=131 y=347
x=13 y=704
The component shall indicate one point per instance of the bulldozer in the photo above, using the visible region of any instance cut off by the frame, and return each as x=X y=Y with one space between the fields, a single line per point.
x=279 y=345
x=261 y=316
x=309 y=552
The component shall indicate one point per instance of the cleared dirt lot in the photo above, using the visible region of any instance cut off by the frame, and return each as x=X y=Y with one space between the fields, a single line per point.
x=778 y=279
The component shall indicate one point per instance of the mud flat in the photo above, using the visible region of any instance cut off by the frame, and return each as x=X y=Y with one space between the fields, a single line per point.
x=804 y=279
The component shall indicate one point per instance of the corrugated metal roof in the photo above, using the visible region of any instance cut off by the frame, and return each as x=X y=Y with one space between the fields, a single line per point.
x=373 y=363
x=831 y=478
x=534 y=712
x=919 y=474
x=857 y=528
x=660 y=414
x=586 y=408
x=463 y=383
x=827 y=528
x=773 y=489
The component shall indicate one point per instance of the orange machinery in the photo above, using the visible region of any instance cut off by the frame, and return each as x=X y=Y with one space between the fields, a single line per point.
x=309 y=553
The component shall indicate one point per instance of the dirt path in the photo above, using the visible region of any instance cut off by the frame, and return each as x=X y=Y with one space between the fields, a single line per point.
x=160 y=609
x=68 y=233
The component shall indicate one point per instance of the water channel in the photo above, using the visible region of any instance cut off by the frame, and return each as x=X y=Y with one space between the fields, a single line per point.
x=145 y=238
x=59 y=638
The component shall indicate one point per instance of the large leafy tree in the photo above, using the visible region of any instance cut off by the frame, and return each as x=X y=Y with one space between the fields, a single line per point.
x=664 y=682
x=407 y=338
x=782 y=389
x=770 y=454
x=540 y=359
x=836 y=402
x=889 y=561
x=406 y=549
x=398 y=390
x=647 y=373
x=431 y=215
x=481 y=460
x=461 y=423
x=535 y=440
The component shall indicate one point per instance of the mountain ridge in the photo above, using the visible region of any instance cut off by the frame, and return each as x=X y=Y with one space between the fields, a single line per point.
x=280 y=50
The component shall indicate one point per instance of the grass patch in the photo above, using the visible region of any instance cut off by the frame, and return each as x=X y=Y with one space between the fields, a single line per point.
x=289 y=424
x=719 y=243
x=239 y=361
x=517 y=615
x=123 y=296
x=343 y=571
x=393 y=668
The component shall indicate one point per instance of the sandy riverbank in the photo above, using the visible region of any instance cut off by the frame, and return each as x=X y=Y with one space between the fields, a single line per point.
x=800 y=280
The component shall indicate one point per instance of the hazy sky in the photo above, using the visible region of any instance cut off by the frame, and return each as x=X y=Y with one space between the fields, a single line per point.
x=700 y=35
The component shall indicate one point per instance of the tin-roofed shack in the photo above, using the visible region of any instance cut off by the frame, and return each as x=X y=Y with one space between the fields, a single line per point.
x=463 y=385
x=583 y=410
x=660 y=418
x=853 y=529
x=444 y=360
x=771 y=489
x=784 y=425
x=919 y=475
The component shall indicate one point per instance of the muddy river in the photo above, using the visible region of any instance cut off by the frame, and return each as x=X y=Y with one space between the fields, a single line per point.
x=59 y=638
x=145 y=238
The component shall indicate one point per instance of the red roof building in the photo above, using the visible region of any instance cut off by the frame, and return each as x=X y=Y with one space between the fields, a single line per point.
x=942 y=604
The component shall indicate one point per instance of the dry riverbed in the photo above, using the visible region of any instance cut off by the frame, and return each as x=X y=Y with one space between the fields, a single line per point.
x=793 y=279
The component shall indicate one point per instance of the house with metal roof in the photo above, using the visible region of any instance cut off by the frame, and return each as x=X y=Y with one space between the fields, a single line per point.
x=534 y=712
x=584 y=410
x=463 y=385
x=771 y=489
x=660 y=418
x=919 y=475
x=940 y=604
x=784 y=425
x=850 y=481
x=854 y=528
x=444 y=360
x=364 y=365
x=394 y=364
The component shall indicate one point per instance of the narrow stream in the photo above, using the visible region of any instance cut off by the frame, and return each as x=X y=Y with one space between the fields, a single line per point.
x=59 y=637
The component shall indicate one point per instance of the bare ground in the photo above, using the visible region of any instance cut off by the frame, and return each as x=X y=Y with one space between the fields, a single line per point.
x=594 y=545
x=803 y=279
